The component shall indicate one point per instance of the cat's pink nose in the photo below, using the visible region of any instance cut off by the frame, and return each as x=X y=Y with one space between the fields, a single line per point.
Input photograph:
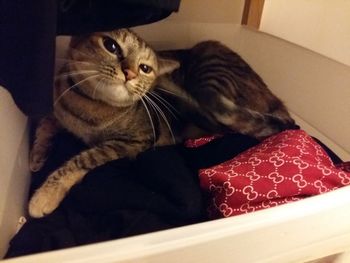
x=129 y=74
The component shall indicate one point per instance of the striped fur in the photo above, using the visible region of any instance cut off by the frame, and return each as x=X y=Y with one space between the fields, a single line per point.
x=224 y=93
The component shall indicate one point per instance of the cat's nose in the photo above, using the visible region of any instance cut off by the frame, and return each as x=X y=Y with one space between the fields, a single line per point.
x=129 y=74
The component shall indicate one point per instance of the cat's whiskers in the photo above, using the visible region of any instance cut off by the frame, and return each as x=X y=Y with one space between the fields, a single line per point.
x=155 y=111
x=157 y=108
x=168 y=91
x=150 y=118
x=99 y=84
x=73 y=86
x=75 y=73
x=153 y=108
x=165 y=103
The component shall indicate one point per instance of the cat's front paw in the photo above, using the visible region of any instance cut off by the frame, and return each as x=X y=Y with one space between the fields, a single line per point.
x=45 y=200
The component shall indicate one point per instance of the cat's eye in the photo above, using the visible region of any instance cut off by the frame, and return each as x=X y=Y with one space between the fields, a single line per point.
x=146 y=69
x=112 y=46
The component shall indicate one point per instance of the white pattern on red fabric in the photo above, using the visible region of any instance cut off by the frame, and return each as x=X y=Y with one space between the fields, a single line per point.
x=345 y=178
x=284 y=168
x=276 y=177
x=272 y=194
x=299 y=180
x=250 y=193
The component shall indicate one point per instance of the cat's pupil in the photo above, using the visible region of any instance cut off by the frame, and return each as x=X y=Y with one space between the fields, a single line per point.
x=145 y=68
x=112 y=46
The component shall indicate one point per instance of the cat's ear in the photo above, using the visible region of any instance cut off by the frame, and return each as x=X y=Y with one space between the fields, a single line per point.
x=166 y=65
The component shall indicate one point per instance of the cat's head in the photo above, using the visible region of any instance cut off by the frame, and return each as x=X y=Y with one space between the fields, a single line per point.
x=116 y=67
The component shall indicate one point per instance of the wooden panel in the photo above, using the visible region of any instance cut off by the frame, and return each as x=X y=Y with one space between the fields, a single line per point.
x=252 y=13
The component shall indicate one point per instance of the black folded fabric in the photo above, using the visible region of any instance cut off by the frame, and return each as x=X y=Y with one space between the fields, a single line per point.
x=28 y=30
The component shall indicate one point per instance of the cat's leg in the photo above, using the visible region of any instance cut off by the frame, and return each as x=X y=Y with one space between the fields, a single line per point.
x=46 y=130
x=54 y=189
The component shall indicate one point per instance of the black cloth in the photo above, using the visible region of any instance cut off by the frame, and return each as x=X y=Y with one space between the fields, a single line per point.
x=158 y=190
x=28 y=30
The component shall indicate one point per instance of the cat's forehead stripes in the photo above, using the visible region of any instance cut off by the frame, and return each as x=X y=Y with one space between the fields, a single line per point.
x=126 y=36
x=132 y=44
x=129 y=38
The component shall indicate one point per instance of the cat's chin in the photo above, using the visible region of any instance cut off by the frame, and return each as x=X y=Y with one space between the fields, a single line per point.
x=117 y=95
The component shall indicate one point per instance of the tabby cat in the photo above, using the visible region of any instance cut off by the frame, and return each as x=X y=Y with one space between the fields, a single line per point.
x=117 y=95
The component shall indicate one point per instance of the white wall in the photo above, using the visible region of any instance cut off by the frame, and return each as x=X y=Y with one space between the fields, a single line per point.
x=14 y=173
x=320 y=25
x=209 y=11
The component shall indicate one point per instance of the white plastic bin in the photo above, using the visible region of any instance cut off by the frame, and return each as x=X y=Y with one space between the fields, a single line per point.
x=316 y=90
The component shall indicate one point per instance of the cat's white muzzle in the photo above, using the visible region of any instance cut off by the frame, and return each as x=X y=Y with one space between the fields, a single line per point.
x=116 y=95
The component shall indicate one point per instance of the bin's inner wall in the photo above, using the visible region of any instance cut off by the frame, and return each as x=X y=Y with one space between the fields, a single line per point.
x=14 y=173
